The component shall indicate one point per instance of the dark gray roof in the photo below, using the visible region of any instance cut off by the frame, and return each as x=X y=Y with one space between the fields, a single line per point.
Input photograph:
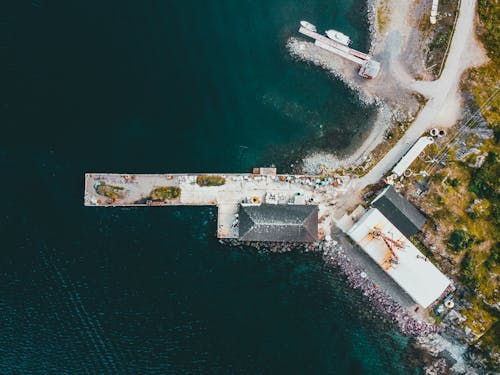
x=278 y=223
x=401 y=213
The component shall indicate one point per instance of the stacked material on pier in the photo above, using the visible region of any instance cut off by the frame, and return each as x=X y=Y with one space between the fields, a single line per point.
x=337 y=43
x=411 y=155
x=265 y=171
x=411 y=270
x=278 y=223
x=405 y=216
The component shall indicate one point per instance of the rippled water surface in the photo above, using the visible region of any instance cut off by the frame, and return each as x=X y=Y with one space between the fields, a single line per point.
x=157 y=86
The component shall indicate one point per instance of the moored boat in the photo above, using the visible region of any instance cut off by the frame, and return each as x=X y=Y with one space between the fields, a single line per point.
x=308 y=26
x=338 y=37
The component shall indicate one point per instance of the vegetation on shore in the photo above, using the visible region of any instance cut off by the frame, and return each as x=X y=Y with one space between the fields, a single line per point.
x=109 y=191
x=483 y=81
x=460 y=240
x=164 y=193
x=382 y=15
x=436 y=38
x=391 y=137
x=462 y=201
x=462 y=236
x=481 y=269
x=210 y=180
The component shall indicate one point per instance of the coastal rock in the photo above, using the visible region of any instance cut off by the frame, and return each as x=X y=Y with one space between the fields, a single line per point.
x=381 y=301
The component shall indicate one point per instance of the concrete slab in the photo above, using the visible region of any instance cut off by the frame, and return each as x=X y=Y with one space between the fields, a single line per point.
x=135 y=190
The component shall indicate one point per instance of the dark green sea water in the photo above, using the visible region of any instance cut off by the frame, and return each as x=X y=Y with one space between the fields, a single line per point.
x=168 y=86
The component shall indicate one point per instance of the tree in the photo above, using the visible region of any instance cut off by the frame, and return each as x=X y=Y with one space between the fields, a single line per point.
x=459 y=240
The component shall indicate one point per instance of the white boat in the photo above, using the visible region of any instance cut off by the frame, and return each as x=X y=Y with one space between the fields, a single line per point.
x=338 y=37
x=308 y=26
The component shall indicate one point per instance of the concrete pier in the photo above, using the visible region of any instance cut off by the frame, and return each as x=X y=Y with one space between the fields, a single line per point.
x=369 y=68
x=134 y=190
x=335 y=47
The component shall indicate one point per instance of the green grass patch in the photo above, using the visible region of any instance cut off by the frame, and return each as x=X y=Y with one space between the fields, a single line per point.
x=210 y=180
x=483 y=80
x=110 y=191
x=382 y=17
x=438 y=36
x=489 y=18
x=469 y=264
x=420 y=246
x=164 y=193
x=473 y=238
x=484 y=183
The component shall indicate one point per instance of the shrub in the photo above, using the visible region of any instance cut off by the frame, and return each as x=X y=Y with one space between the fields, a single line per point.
x=490 y=35
x=484 y=180
x=459 y=240
x=484 y=184
x=473 y=214
x=494 y=257
x=469 y=273
x=110 y=191
x=165 y=193
x=440 y=40
x=208 y=180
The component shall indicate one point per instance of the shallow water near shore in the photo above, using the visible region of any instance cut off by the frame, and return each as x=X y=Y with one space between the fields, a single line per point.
x=170 y=87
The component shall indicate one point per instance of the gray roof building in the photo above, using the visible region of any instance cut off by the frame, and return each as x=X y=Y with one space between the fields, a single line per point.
x=278 y=223
x=401 y=213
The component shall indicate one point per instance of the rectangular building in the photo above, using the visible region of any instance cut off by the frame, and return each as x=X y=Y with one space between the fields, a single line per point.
x=412 y=271
x=406 y=217
x=278 y=223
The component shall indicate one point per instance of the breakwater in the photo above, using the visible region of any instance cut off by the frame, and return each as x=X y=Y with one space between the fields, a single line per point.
x=334 y=255
x=357 y=279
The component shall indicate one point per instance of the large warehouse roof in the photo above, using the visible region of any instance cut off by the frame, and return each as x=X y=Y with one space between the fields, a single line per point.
x=413 y=272
x=278 y=223
x=399 y=211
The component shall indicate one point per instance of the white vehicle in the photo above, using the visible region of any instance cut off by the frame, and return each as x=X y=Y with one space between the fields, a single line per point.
x=338 y=37
x=308 y=26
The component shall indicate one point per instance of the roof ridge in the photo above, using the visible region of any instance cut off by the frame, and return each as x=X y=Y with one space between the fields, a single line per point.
x=282 y=223
x=306 y=226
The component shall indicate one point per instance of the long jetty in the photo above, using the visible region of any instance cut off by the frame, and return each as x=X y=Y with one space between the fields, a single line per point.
x=262 y=186
x=369 y=68
x=358 y=57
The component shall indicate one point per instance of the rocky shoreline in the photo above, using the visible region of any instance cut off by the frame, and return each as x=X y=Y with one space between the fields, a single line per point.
x=396 y=100
x=334 y=255
x=391 y=109
x=442 y=353
x=407 y=324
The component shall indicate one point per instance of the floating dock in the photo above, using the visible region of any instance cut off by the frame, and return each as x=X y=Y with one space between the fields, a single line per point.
x=263 y=186
x=369 y=67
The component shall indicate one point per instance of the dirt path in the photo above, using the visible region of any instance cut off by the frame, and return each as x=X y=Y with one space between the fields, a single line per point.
x=444 y=103
x=394 y=89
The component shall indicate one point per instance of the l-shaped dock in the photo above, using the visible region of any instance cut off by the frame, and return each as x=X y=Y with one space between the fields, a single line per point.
x=262 y=186
x=370 y=68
